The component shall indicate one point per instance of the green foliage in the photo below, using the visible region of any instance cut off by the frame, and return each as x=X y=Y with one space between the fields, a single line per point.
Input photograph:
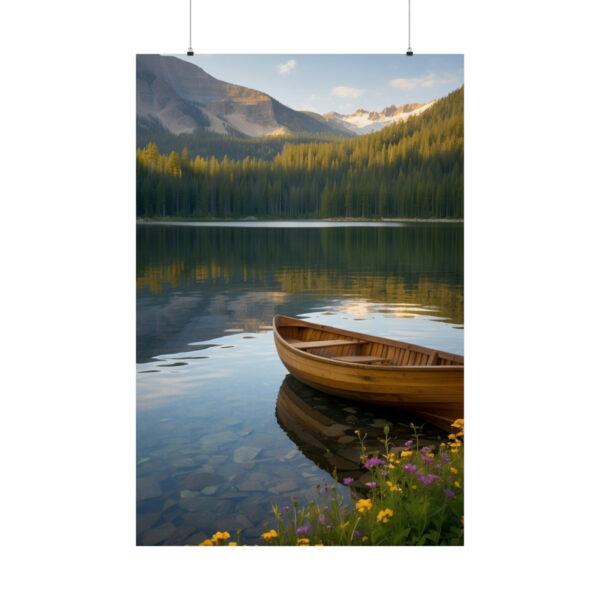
x=411 y=169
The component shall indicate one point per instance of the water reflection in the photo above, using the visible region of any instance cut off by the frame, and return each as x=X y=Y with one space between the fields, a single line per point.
x=323 y=429
x=194 y=283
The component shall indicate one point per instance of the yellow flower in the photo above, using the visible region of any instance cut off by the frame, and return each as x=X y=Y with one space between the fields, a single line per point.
x=394 y=488
x=317 y=544
x=454 y=450
x=220 y=537
x=414 y=487
x=385 y=515
x=459 y=424
x=206 y=543
x=269 y=535
x=406 y=453
x=303 y=541
x=364 y=538
x=443 y=445
x=430 y=455
x=455 y=471
x=456 y=484
x=452 y=436
x=364 y=505
x=232 y=544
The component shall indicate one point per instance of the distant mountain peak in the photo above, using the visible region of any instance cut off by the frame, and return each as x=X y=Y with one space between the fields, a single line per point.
x=180 y=97
x=362 y=121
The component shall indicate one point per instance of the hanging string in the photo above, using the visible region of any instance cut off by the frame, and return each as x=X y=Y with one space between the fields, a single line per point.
x=190 y=51
x=409 y=52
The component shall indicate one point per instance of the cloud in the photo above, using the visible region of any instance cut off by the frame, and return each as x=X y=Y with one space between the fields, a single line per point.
x=426 y=81
x=287 y=67
x=344 y=91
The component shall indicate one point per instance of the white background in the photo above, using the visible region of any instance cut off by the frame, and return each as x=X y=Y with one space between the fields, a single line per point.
x=68 y=297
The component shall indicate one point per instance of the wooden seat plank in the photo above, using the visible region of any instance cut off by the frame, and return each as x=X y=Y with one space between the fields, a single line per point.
x=361 y=359
x=324 y=344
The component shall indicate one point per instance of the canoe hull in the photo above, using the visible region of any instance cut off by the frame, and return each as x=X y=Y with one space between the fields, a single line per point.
x=435 y=393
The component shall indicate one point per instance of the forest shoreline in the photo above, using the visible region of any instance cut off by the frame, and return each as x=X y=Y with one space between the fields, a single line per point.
x=179 y=220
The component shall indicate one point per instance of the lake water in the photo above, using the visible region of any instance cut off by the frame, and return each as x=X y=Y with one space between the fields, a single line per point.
x=218 y=435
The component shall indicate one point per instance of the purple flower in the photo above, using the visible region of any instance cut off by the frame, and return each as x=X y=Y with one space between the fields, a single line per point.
x=358 y=533
x=372 y=462
x=347 y=480
x=303 y=530
x=450 y=493
x=371 y=484
x=445 y=457
x=426 y=459
x=409 y=443
x=425 y=449
x=321 y=519
x=384 y=472
x=428 y=479
x=286 y=508
x=410 y=467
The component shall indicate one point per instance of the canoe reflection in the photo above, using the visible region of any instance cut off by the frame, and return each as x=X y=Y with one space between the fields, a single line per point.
x=323 y=428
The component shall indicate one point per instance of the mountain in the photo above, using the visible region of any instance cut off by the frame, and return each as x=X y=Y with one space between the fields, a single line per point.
x=362 y=121
x=175 y=96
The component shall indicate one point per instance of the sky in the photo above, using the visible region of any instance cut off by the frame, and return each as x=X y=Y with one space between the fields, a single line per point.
x=339 y=82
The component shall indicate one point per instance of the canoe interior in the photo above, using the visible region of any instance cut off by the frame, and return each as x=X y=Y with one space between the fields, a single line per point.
x=361 y=349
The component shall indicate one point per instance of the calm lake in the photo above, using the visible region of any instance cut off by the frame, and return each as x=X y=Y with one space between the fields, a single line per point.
x=219 y=440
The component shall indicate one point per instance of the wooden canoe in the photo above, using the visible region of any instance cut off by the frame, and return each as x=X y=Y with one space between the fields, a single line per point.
x=420 y=380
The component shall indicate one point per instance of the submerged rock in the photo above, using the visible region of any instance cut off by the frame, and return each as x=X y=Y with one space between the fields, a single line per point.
x=148 y=487
x=245 y=454
x=201 y=479
x=158 y=534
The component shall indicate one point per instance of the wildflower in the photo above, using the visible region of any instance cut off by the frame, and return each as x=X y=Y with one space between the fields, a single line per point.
x=456 y=484
x=286 y=508
x=317 y=544
x=428 y=479
x=454 y=450
x=455 y=471
x=206 y=542
x=425 y=449
x=364 y=538
x=347 y=480
x=303 y=542
x=269 y=535
x=303 y=530
x=384 y=472
x=364 y=505
x=321 y=519
x=393 y=488
x=220 y=537
x=452 y=436
x=410 y=467
x=459 y=424
x=357 y=533
x=385 y=515
x=232 y=544
x=445 y=458
x=409 y=443
x=372 y=462
x=426 y=459
x=371 y=484
x=357 y=432
x=406 y=453
x=450 y=494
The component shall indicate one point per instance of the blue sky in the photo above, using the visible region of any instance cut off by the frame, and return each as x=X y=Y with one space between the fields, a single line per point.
x=339 y=82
